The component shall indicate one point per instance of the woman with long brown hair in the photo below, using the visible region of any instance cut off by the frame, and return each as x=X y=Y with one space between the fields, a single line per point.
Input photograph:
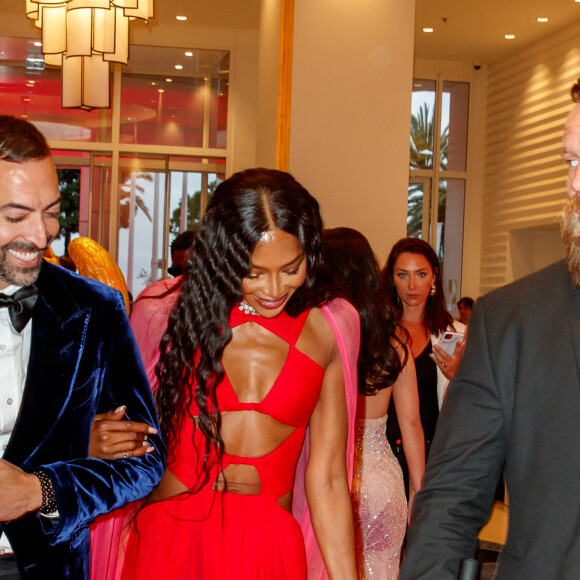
x=413 y=288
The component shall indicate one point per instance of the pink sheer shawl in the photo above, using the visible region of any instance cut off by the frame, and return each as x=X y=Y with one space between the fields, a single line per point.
x=109 y=532
x=344 y=321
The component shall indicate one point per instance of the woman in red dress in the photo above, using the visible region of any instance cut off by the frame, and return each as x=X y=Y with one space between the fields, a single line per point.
x=248 y=362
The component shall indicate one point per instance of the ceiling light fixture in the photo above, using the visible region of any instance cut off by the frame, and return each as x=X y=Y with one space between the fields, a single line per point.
x=427 y=30
x=542 y=19
x=83 y=37
x=178 y=66
x=509 y=36
x=181 y=18
x=189 y=53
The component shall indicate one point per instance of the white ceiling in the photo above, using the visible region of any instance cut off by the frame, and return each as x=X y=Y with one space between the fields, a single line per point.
x=473 y=30
x=212 y=13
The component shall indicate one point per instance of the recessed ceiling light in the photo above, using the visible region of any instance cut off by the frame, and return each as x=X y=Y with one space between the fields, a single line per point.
x=427 y=30
x=542 y=19
x=160 y=91
x=188 y=53
x=153 y=84
x=168 y=80
x=38 y=43
x=181 y=18
x=510 y=36
x=178 y=66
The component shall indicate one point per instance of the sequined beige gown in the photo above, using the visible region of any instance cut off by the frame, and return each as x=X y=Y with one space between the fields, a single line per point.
x=380 y=506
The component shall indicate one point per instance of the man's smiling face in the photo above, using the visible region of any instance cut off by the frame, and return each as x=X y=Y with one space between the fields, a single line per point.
x=29 y=209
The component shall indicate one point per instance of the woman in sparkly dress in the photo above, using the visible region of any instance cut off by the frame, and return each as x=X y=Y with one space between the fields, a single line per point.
x=384 y=369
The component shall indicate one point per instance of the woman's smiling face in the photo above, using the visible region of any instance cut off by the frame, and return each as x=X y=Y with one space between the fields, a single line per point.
x=278 y=269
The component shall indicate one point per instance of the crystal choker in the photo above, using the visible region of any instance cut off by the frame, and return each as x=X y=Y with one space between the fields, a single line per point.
x=245 y=307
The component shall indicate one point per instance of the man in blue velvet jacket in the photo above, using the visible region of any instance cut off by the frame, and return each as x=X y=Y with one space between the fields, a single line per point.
x=76 y=357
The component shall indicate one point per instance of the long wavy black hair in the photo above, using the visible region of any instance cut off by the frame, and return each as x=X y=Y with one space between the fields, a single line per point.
x=242 y=208
x=352 y=271
x=436 y=318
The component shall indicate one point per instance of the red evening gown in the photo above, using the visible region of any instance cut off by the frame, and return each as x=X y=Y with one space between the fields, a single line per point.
x=218 y=535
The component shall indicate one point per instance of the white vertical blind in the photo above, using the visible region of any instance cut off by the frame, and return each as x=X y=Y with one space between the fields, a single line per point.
x=525 y=177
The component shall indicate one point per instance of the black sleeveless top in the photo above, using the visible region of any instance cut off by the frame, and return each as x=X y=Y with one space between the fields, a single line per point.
x=427 y=387
x=428 y=410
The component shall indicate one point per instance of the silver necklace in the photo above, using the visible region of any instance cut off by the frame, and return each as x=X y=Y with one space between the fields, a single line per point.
x=247 y=308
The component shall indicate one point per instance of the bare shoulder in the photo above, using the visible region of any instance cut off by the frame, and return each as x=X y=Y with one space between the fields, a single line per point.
x=317 y=339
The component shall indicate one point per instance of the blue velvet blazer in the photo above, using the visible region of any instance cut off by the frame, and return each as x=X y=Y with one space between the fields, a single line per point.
x=83 y=361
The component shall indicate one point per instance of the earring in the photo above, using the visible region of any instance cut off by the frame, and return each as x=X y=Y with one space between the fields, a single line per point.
x=433 y=290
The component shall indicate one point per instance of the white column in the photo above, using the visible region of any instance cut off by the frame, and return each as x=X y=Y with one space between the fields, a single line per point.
x=351 y=111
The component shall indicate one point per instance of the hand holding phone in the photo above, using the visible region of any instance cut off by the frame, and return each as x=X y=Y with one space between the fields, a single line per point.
x=449 y=340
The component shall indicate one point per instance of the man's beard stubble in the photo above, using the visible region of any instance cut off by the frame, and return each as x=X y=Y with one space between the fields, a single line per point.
x=19 y=276
x=570 y=230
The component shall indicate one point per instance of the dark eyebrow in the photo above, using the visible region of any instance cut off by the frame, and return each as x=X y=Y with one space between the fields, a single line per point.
x=290 y=263
x=13 y=205
x=406 y=270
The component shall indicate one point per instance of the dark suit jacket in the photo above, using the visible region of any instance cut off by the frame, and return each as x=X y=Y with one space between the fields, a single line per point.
x=515 y=402
x=83 y=361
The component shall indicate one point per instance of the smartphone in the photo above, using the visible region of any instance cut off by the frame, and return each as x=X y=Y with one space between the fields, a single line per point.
x=448 y=341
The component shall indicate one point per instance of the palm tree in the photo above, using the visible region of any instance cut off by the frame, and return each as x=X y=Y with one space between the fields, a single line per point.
x=193 y=210
x=125 y=196
x=422 y=144
x=69 y=188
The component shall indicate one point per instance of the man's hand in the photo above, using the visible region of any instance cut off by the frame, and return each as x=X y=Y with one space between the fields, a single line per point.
x=20 y=492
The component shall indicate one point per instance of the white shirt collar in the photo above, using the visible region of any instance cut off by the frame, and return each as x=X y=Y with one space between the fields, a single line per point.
x=9 y=290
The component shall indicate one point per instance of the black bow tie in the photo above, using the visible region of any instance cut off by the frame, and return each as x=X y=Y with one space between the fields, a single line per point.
x=20 y=306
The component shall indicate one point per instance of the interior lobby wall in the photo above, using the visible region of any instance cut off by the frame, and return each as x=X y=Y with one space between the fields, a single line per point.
x=268 y=64
x=350 y=102
x=528 y=98
x=351 y=112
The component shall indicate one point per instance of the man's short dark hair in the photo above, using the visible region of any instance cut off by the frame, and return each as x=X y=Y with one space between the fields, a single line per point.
x=21 y=141
x=575 y=92
x=466 y=301
x=183 y=241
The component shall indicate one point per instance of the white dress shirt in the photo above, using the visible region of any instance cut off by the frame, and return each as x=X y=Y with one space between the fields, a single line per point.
x=14 y=356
